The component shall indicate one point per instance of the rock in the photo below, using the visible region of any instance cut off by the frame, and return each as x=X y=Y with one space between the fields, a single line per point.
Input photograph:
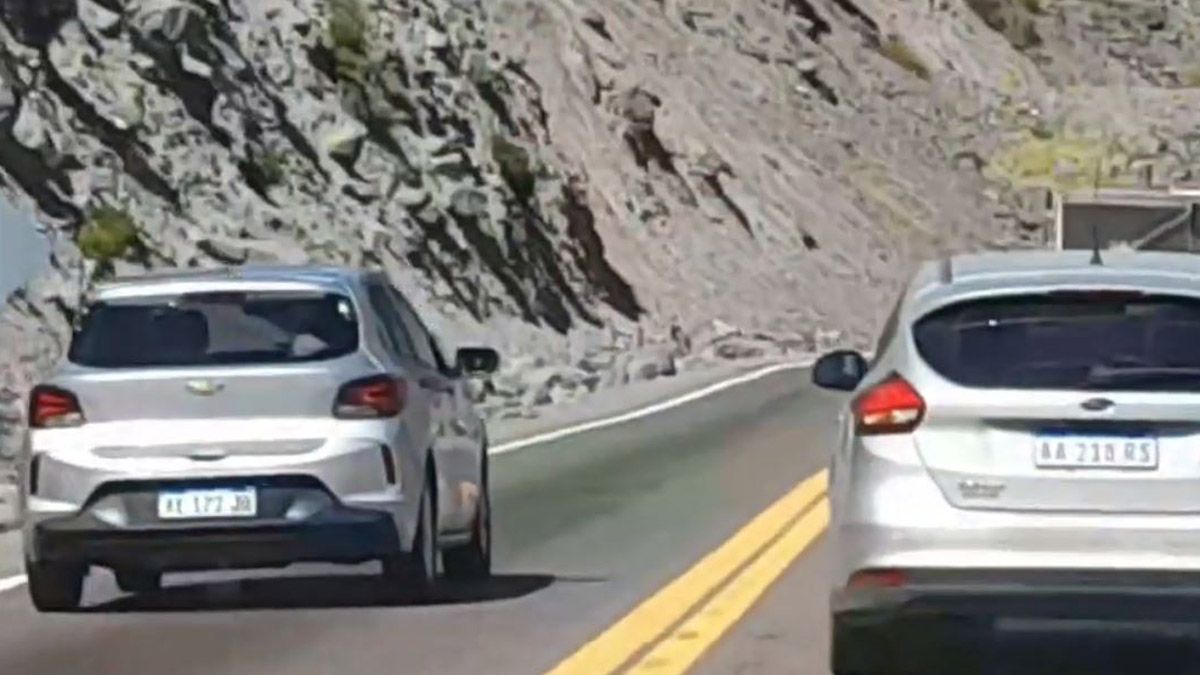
x=738 y=348
x=714 y=331
x=8 y=99
x=194 y=66
x=651 y=365
x=640 y=107
x=341 y=137
x=30 y=128
x=593 y=19
x=97 y=17
x=223 y=251
x=597 y=363
x=590 y=381
x=517 y=413
x=10 y=501
x=469 y=203
x=618 y=374
x=547 y=385
x=36 y=22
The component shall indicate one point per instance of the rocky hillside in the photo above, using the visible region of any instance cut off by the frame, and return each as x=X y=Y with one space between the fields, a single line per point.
x=588 y=185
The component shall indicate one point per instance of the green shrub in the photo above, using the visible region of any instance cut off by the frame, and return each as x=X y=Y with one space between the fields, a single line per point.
x=348 y=34
x=271 y=166
x=898 y=52
x=109 y=234
x=516 y=167
x=348 y=25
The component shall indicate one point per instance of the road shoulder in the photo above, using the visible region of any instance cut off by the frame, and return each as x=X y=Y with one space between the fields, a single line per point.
x=621 y=400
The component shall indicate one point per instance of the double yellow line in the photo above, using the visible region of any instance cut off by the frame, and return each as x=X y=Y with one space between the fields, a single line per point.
x=671 y=630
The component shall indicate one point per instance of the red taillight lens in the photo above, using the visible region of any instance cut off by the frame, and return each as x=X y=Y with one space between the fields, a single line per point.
x=371 y=397
x=878 y=579
x=890 y=407
x=51 y=407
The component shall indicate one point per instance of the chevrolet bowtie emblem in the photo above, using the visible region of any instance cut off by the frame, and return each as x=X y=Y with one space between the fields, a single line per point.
x=204 y=387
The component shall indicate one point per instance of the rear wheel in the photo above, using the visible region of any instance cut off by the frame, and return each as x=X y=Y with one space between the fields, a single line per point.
x=473 y=560
x=138 y=581
x=55 y=587
x=417 y=571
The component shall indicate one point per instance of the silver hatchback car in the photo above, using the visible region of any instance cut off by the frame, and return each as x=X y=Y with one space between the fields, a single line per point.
x=254 y=417
x=1023 y=447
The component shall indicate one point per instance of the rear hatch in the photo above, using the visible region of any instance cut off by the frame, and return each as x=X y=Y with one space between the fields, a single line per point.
x=196 y=360
x=1085 y=401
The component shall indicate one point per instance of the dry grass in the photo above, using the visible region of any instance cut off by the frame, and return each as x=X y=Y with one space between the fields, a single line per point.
x=897 y=51
x=1060 y=162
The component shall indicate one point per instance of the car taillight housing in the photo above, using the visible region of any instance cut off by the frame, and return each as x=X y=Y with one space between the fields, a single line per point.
x=883 y=578
x=372 y=397
x=891 y=407
x=51 y=408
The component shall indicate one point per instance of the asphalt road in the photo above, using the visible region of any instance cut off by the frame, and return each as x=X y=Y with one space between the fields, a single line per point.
x=586 y=527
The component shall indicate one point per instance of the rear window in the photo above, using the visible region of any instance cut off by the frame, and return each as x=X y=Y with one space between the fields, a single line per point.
x=216 y=329
x=1115 y=341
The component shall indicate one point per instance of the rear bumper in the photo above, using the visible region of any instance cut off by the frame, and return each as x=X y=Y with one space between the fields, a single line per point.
x=968 y=622
x=338 y=534
x=298 y=520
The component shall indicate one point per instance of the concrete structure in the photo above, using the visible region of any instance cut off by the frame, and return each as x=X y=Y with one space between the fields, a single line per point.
x=1161 y=219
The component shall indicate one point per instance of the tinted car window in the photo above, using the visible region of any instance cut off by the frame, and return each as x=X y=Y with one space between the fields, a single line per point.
x=215 y=329
x=395 y=333
x=421 y=338
x=1067 y=341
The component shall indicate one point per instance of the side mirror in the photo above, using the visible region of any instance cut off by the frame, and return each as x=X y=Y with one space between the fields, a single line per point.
x=477 y=360
x=840 y=370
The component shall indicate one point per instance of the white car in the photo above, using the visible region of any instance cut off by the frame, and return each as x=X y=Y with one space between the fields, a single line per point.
x=1025 y=445
x=251 y=417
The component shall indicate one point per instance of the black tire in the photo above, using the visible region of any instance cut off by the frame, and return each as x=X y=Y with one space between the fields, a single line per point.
x=55 y=587
x=417 y=572
x=473 y=561
x=138 y=581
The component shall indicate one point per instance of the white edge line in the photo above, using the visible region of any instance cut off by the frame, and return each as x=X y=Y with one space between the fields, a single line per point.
x=652 y=409
x=19 y=580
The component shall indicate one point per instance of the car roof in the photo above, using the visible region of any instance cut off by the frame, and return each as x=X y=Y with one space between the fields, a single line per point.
x=961 y=277
x=279 y=277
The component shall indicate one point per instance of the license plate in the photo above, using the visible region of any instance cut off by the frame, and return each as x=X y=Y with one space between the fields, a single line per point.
x=216 y=503
x=1071 y=451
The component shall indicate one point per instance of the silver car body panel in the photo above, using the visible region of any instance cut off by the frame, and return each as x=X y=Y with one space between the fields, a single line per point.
x=216 y=422
x=962 y=491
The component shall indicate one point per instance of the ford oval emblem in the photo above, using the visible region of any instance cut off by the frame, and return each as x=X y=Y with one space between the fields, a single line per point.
x=1096 y=404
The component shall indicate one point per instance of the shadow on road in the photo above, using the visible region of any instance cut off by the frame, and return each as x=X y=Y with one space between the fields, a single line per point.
x=320 y=592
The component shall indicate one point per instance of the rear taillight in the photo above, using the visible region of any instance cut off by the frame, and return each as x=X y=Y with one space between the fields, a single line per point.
x=51 y=407
x=371 y=397
x=878 y=579
x=890 y=407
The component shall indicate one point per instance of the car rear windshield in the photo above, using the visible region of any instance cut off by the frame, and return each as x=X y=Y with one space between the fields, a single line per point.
x=1067 y=340
x=216 y=329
